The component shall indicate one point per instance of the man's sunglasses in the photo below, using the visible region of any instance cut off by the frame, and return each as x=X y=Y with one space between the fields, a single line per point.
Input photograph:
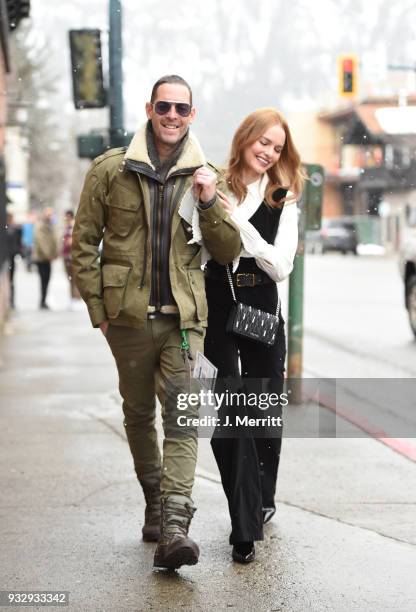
x=182 y=108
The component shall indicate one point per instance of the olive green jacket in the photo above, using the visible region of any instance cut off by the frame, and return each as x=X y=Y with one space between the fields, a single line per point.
x=45 y=245
x=115 y=209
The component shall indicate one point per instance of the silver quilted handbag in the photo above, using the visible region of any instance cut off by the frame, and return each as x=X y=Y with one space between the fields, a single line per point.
x=252 y=323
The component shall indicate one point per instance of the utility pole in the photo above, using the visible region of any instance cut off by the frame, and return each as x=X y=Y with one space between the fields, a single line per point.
x=296 y=282
x=310 y=219
x=116 y=132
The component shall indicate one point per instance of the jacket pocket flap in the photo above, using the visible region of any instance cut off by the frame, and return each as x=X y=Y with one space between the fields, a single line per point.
x=122 y=197
x=114 y=275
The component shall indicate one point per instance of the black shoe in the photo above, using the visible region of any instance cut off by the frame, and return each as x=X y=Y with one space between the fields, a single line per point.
x=268 y=513
x=44 y=306
x=244 y=552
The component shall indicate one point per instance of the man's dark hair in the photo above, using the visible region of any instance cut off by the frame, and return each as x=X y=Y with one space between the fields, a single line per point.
x=170 y=79
x=69 y=213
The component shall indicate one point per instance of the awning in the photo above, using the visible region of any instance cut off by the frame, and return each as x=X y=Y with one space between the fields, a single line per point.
x=399 y=120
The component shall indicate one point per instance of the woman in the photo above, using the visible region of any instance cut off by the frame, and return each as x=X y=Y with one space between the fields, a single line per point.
x=265 y=178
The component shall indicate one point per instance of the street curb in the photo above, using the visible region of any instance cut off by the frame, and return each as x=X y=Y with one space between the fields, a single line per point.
x=395 y=444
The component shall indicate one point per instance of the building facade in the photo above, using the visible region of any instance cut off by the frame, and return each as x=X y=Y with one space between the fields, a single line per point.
x=368 y=150
x=11 y=13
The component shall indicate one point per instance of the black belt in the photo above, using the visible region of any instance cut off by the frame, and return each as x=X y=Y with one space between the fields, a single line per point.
x=246 y=279
x=158 y=315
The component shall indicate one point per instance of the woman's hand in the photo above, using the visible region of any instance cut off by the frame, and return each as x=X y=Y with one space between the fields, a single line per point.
x=205 y=182
x=229 y=206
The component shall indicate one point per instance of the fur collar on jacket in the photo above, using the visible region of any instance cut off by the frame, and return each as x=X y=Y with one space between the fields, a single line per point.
x=191 y=156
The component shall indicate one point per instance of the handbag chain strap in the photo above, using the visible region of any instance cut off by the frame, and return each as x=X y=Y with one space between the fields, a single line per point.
x=230 y=280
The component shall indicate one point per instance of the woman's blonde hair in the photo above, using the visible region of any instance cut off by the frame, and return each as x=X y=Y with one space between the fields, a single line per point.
x=287 y=173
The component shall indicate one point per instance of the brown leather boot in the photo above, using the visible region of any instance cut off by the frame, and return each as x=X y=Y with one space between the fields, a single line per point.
x=151 y=489
x=175 y=548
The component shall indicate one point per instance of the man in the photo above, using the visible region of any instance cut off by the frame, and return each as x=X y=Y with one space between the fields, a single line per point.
x=147 y=294
x=45 y=250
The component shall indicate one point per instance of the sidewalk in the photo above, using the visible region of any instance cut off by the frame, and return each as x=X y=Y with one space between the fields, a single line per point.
x=70 y=513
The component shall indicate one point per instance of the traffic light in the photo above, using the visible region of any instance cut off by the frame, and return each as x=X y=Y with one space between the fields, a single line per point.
x=16 y=11
x=87 y=69
x=90 y=145
x=348 y=76
x=93 y=144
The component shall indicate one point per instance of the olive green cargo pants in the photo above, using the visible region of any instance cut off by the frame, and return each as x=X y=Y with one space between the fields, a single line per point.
x=150 y=362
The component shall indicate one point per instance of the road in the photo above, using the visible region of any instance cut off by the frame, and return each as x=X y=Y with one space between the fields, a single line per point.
x=355 y=320
x=343 y=537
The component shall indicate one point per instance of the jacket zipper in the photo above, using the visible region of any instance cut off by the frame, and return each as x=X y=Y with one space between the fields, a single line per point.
x=158 y=246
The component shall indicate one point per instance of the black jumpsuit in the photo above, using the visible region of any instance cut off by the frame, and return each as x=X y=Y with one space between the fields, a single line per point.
x=248 y=465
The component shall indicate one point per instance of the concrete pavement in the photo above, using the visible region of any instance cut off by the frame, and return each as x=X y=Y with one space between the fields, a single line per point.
x=343 y=538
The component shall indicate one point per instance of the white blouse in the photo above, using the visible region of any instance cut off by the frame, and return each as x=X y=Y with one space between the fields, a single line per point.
x=274 y=259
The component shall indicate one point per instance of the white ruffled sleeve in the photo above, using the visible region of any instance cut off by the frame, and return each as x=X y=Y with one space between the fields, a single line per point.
x=274 y=259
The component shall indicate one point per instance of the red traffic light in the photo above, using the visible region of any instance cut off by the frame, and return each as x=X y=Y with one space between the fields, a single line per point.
x=348 y=75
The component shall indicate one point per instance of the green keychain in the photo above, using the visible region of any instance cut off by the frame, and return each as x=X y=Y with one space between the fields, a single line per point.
x=185 y=348
x=187 y=357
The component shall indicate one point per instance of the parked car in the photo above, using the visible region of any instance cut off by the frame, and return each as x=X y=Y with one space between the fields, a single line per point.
x=313 y=242
x=407 y=261
x=336 y=235
x=339 y=235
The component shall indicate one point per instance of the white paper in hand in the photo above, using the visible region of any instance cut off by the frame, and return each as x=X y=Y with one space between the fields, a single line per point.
x=205 y=372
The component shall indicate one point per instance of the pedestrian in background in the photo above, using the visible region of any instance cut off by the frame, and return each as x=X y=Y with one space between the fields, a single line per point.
x=263 y=166
x=45 y=250
x=67 y=257
x=14 y=247
x=28 y=230
x=146 y=292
